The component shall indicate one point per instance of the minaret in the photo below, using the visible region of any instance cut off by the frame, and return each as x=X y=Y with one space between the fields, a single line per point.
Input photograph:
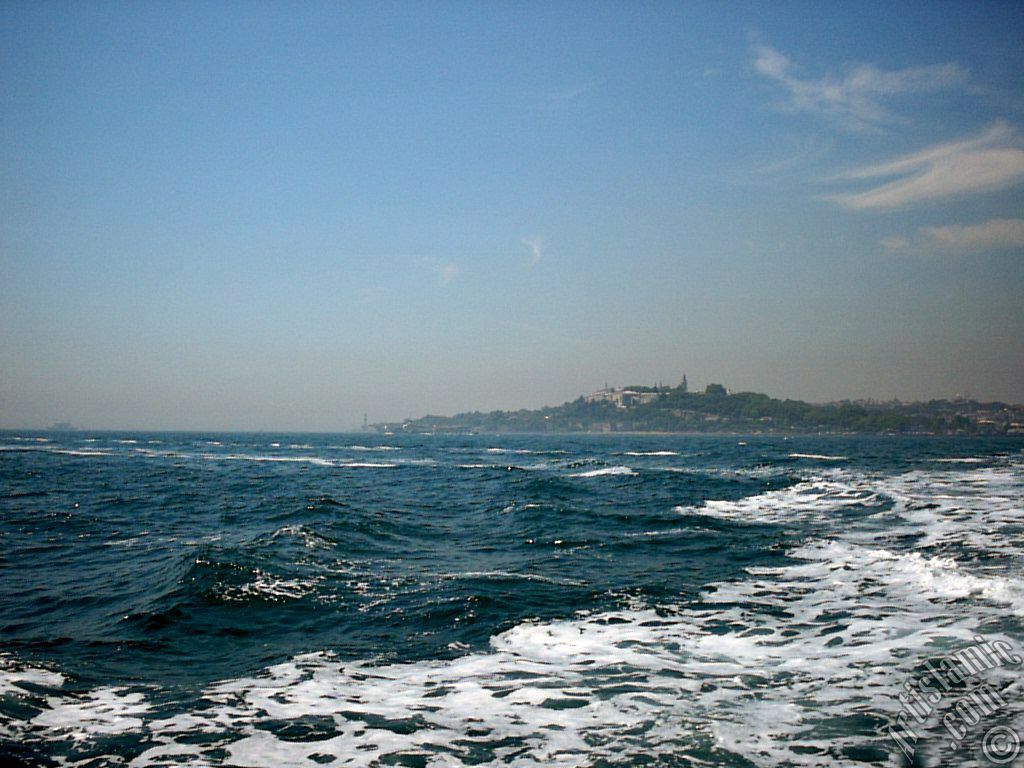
x=683 y=386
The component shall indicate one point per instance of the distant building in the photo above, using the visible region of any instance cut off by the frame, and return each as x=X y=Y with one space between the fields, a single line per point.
x=622 y=397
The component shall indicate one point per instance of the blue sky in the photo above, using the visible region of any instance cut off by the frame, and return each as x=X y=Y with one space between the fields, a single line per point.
x=284 y=215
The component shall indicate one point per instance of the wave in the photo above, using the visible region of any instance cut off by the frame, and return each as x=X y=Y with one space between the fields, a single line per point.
x=614 y=686
x=798 y=664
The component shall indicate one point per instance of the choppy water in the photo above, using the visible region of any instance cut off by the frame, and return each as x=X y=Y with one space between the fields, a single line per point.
x=307 y=600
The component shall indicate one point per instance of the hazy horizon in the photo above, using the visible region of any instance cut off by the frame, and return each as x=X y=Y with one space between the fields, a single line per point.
x=279 y=217
x=355 y=428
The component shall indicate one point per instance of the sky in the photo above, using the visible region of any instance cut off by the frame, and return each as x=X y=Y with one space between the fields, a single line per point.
x=278 y=215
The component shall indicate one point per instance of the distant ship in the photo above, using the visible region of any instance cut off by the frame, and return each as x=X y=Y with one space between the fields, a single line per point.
x=63 y=426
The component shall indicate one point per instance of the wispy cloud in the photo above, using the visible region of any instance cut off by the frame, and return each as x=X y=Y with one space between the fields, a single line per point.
x=854 y=99
x=535 y=246
x=447 y=271
x=995 y=233
x=984 y=163
x=571 y=93
x=894 y=243
x=800 y=151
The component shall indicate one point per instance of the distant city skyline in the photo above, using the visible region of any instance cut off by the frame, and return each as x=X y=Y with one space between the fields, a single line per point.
x=282 y=216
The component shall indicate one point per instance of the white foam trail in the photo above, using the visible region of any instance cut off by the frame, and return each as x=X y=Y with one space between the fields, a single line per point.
x=13 y=675
x=914 y=574
x=651 y=453
x=978 y=508
x=102 y=712
x=816 y=499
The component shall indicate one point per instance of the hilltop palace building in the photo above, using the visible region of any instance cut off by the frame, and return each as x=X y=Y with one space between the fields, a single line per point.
x=621 y=397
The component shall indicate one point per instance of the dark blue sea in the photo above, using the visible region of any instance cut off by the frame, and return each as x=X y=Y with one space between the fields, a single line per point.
x=607 y=600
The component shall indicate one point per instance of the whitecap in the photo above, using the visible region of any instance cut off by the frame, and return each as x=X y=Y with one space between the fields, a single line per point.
x=606 y=471
x=315 y=460
x=511 y=575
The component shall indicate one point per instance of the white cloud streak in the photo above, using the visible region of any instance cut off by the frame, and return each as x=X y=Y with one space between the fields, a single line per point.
x=853 y=100
x=536 y=248
x=571 y=94
x=984 y=163
x=995 y=233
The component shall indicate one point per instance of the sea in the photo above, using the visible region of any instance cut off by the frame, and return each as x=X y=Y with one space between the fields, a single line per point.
x=215 y=599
